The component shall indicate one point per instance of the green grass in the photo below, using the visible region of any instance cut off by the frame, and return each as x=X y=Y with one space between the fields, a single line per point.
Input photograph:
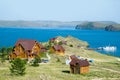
x=104 y=68
x=55 y=70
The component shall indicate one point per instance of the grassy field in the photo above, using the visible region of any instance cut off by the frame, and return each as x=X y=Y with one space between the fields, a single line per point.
x=58 y=70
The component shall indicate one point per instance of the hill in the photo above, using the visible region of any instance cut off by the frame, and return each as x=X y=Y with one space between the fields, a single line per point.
x=63 y=25
x=73 y=41
x=58 y=24
x=46 y=24
x=114 y=27
x=99 y=25
x=96 y=25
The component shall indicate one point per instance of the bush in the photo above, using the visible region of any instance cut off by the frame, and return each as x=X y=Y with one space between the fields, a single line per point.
x=36 y=61
x=3 y=57
x=60 y=43
x=18 y=67
x=4 y=52
x=42 y=54
x=71 y=45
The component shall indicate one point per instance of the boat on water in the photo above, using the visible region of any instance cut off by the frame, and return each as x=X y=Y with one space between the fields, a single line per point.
x=109 y=48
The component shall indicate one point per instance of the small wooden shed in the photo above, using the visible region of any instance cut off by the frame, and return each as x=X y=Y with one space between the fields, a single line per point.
x=78 y=66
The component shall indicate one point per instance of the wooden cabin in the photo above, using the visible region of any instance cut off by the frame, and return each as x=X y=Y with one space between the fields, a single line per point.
x=26 y=49
x=78 y=66
x=57 y=49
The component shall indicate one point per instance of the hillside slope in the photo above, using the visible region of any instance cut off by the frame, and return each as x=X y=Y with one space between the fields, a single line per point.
x=103 y=67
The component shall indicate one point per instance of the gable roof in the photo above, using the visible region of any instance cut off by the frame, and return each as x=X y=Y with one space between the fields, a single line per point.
x=81 y=63
x=73 y=57
x=26 y=44
x=75 y=61
x=58 y=47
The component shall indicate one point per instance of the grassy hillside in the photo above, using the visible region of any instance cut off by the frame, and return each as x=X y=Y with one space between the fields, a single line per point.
x=101 y=69
x=104 y=67
x=73 y=41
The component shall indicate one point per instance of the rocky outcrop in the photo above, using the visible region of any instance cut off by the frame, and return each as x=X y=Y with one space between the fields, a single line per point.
x=112 y=28
x=92 y=25
x=98 y=26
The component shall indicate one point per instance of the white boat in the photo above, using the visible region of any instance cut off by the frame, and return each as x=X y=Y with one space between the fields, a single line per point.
x=110 y=48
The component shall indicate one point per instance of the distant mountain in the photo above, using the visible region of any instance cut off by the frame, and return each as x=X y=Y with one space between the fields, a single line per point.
x=107 y=22
x=62 y=25
x=37 y=23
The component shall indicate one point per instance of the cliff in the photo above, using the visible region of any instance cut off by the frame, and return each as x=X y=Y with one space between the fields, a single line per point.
x=94 y=25
x=115 y=27
x=104 y=25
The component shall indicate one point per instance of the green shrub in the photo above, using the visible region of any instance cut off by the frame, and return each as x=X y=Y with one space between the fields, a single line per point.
x=36 y=61
x=18 y=67
x=71 y=45
x=4 y=52
x=60 y=43
x=3 y=57
x=43 y=54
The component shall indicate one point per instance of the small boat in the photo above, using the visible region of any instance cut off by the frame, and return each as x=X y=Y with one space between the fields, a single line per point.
x=110 y=48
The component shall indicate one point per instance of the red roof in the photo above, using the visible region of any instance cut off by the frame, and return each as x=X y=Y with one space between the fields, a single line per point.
x=26 y=44
x=81 y=63
x=58 y=48
x=52 y=39
x=73 y=57
x=76 y=61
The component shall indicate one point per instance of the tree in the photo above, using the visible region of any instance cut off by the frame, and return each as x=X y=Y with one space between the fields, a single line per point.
x=3 y=54
x=3 y=57
x=18 y=67
x=9 y=50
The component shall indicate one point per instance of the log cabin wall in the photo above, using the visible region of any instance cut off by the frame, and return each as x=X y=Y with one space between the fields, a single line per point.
x=60 y=52
x=84 y=69
x=36 y=49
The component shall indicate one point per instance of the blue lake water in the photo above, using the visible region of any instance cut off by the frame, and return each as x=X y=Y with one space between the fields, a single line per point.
x=96 y=38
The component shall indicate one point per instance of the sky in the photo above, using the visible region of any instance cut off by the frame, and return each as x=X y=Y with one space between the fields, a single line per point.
x=60 y=10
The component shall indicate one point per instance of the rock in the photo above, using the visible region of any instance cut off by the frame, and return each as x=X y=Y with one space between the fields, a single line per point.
x=112 y=28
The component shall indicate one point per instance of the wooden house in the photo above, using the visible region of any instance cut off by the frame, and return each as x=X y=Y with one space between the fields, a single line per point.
x=78 y=66
x=26 y=49
x=57 y=49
